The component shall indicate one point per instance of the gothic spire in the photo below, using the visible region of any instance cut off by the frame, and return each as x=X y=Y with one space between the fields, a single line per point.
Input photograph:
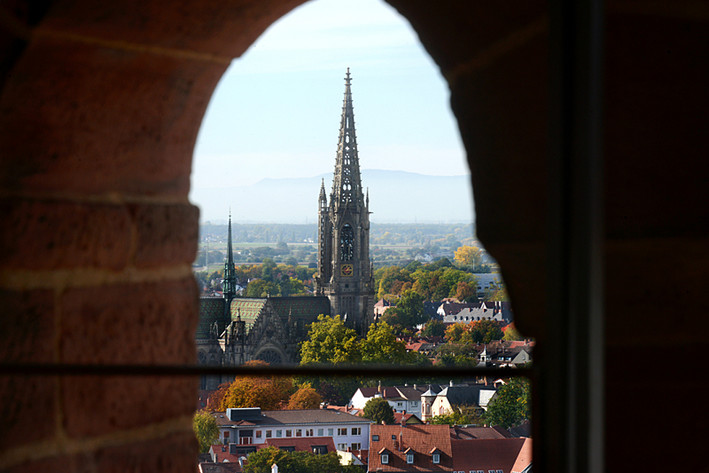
x=229 y=281
x=347 y=184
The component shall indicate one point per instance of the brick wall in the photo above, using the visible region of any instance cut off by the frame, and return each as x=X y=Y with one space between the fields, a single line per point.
x=99 y=109
x=98 y=118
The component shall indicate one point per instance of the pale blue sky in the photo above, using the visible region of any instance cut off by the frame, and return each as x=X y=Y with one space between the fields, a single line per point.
x=276 y=110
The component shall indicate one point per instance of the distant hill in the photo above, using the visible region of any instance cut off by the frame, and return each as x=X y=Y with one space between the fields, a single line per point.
x=394 y=197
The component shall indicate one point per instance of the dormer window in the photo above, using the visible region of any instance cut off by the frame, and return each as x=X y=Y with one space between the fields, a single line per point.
x=436 y=457
x=385 y=458
x=410 y=458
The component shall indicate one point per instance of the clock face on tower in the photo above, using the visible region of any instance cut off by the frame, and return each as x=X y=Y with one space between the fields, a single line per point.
x=346 y=270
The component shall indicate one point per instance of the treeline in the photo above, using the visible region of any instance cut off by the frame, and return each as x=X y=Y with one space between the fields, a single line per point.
x=402 y=234
x=263 y=280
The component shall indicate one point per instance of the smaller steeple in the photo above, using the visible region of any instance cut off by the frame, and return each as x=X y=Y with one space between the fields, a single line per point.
x=323 y=196
x=229 y=281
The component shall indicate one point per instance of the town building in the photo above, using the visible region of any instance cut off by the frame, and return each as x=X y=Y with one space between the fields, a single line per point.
x=461 y=312
x=247 y=428
x=440 y=448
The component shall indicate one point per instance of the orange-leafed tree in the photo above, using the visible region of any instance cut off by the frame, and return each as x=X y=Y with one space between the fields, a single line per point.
x=305 y=398
x=215 y=401
x=256 y=391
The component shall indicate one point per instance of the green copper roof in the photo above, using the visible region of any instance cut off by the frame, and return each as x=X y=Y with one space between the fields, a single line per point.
x=248 y=309
x=211 y=309
x=305 y=308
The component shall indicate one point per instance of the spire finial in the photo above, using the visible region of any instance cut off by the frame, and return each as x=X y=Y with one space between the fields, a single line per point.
x=347 y=78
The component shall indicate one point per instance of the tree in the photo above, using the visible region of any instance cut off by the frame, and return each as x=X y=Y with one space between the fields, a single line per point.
x=305 y=398
x=408 y=311
x=457 y=417
x=510 y=405
x=511 y=333
x=378 y=410
x=466 y=291
x=205 y=429
x=294 y=462
x=381 y=346
x=330 y=341
x=485 y=331
x=252 y=391
x=434 y=328
x=468 y=256
x=215 y=401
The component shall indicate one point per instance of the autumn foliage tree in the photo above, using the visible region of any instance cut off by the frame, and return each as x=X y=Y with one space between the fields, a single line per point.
x=255 y=391
x=468 y=256
x=305 y=398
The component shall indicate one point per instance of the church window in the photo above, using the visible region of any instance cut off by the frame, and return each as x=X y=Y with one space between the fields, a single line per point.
x=347 y=243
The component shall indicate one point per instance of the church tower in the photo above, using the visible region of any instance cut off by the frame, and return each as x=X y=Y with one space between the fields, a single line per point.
x=345 y=271
x=229 y=281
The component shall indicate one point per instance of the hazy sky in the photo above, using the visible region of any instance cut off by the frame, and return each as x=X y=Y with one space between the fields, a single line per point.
x=276 y=111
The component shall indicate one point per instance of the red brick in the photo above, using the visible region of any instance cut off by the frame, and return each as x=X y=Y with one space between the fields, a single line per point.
x=49 y=234
x=174 y=454
x=27 y=326
x=27 y=410
x=167 y=234
x=108 y=121
x=130 y=323
x=95 y=405
x=213 y=27
x=58 y=464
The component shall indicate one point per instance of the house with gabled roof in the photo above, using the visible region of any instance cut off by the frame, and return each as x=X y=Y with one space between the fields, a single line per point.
x=455 y=395
x=248 y=428
x=400 y=398
x=502 y=353
x=415 y=448
x=456 y=312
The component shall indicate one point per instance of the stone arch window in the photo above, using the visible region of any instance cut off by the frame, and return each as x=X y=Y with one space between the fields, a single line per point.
x=144 y=130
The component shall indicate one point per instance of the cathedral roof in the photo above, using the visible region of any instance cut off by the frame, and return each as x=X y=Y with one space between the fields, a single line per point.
x=247 y=309
x=306 y=308
x=211 y=309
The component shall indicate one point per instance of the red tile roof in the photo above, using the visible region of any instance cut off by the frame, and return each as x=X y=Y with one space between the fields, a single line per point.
x=302 y=444
x=486 y=454
x=420 y=439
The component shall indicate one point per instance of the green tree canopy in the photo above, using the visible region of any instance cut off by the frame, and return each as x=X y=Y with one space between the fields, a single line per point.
x=381 y=346
x=330 y=341
x=205 y=429
x=434 y=328
x=294 y=462
x=378 y=410
x=511 y=405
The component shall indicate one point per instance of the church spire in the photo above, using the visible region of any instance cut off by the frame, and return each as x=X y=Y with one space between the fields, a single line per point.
x=347 y=184
x=229 y=281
